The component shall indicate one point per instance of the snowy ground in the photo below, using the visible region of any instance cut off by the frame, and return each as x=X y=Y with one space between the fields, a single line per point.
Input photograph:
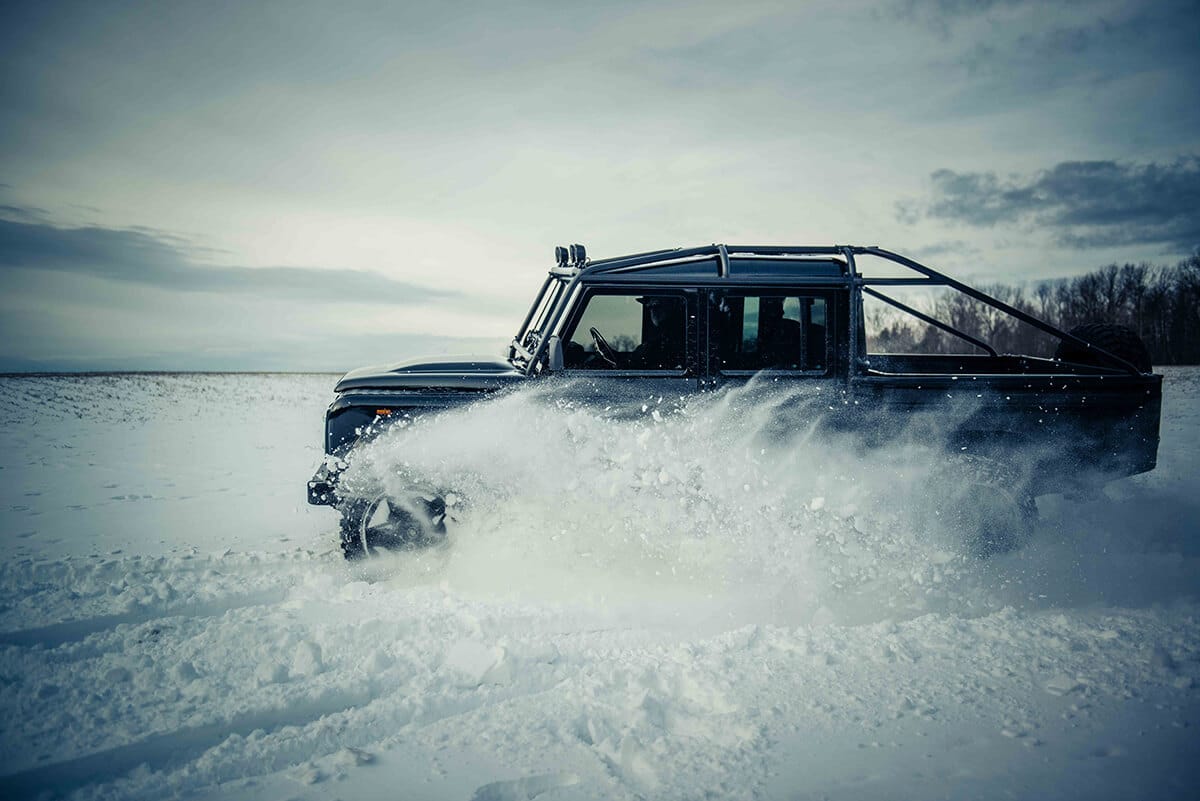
x=671 y=606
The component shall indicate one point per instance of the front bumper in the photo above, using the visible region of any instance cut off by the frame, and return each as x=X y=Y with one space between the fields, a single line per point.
x=322 y=487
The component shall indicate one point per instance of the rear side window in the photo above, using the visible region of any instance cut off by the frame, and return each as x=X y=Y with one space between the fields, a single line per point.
x=779 y=332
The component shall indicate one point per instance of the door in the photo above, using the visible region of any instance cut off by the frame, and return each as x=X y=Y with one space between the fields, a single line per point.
x=632 y=343
x=785 y=333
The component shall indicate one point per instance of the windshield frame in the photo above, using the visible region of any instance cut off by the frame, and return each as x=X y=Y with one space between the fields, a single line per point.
x=533 y=330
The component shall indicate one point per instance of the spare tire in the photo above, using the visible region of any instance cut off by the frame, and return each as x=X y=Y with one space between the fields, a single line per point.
x=1119 y=340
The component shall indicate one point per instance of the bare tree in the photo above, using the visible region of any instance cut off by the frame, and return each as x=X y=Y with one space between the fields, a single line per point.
x=1161 y=303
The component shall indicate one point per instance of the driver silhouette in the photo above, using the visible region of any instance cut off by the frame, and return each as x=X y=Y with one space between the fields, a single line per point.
x=662 y=334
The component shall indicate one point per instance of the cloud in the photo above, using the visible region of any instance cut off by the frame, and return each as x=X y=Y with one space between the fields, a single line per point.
x=1092 y=46
x=151 y=258
x=311 y=353
x=1119 y=72
x=942 y=17
x=949 y=247
x=25 y=213
x=1086 y=204
x=929 y=10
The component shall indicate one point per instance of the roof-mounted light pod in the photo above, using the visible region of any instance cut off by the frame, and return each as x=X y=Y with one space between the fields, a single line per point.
x=578 y=255
x=561 y=254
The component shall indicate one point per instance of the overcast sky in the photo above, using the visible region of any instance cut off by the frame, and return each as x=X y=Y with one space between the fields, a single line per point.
x=214 y=185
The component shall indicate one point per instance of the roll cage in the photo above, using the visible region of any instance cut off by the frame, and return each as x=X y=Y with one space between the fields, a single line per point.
x=760 y=265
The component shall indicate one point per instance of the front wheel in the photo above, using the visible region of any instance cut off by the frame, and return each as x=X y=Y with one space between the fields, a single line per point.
x=372 y=526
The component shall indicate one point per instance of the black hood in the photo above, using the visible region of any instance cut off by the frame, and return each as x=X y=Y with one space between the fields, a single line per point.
x=453 y=372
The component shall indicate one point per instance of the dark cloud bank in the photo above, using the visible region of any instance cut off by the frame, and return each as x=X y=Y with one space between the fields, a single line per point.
x=150 y=258
x=144 y=257
x=1085 y=204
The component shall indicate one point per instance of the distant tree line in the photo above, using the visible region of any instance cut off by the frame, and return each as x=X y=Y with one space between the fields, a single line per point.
x=1160 y=302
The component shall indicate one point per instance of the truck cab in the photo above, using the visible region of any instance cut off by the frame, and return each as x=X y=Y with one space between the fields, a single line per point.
x=694 y=318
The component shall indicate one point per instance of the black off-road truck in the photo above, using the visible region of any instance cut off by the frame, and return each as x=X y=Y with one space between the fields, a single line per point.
x=681 y=321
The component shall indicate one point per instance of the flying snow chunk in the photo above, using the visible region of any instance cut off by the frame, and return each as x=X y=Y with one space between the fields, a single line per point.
x=185 y=671
x=117 y=675
x=271 y=673
x=307 y=659
x=1063 y=684
x=473 y=663
x=353 y=758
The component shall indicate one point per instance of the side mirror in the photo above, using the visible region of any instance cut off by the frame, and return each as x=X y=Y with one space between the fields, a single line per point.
x=555 y=353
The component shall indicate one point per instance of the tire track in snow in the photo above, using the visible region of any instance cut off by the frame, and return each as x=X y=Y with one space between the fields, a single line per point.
x=58 y=634
x=168 y=749
x=309 y=717
x=95 y=595
x=255 y=744
x=524 y=789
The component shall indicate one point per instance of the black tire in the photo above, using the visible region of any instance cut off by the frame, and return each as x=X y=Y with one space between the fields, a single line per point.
x=987 y=503
x=382 y=523
x=993 y=522
x=1119 y=340
x=351 y=542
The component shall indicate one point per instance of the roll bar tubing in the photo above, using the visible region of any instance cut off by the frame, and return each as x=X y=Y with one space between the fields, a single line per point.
x=856 y=283
x=995 y=303
x=979 y=343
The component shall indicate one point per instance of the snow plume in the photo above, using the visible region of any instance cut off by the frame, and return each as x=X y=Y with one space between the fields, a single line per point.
x=725 y=508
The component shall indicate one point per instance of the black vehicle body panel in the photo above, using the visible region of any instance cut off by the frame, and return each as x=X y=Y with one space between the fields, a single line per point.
x=465 y=372
x=1069 y=430
x=1067 y=419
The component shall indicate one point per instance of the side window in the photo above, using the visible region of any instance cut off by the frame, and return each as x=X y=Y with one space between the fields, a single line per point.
x=781 y=332
x=629 y=332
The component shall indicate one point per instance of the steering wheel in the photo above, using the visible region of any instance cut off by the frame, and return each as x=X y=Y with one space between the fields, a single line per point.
x=602 y=347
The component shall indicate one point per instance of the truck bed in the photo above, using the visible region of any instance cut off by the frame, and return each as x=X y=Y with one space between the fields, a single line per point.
x=1072 y=424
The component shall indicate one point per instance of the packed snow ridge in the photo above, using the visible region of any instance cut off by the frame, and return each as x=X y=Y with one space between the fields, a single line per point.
x=676 y=603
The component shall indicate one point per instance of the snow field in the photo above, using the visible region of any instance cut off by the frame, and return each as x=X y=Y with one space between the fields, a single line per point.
x=646 y=627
